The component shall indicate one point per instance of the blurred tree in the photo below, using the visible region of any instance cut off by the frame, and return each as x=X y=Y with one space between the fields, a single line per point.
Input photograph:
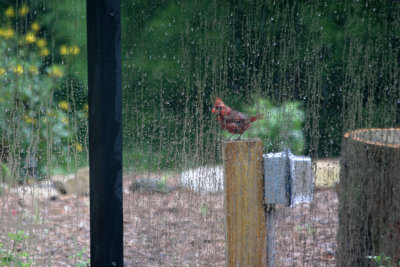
x=333 y=57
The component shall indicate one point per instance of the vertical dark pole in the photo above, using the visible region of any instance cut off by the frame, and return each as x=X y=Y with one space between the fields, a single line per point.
x=105 y=131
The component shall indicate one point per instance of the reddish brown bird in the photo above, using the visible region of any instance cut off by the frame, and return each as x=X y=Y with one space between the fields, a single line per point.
x=231 y=120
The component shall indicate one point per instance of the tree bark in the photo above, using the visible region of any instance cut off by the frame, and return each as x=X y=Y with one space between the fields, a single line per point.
x=369 y=197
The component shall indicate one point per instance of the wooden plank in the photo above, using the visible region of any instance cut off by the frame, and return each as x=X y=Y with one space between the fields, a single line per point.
x=245 y=213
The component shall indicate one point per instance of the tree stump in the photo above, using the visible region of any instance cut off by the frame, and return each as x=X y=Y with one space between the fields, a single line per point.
x=245 y=214
x=369 y=197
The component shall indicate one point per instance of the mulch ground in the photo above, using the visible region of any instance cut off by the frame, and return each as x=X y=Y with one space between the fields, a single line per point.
x=178 y=228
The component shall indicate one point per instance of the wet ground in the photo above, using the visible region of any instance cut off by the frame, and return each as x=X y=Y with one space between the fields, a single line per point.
x=177 y=227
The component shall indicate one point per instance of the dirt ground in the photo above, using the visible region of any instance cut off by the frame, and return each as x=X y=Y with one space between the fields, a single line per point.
x=177 y=228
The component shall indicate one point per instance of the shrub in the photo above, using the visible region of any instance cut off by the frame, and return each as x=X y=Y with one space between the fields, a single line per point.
x=33 y=122
x=280 y=126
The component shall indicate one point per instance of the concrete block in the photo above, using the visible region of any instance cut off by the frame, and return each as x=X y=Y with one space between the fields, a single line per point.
x=288 y=179
x=276 y=178
x=301 y=179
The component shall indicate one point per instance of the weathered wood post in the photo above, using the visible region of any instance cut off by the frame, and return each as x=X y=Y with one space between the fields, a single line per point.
x=369 y=197
x=245 y=215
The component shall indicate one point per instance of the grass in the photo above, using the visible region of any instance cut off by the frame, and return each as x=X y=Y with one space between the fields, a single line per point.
x=147 y=160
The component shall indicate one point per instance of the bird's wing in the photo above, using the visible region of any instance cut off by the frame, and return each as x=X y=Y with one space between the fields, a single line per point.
x=236 y=117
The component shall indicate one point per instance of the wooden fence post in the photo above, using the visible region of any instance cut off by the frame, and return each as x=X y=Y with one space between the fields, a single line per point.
x=245 y=213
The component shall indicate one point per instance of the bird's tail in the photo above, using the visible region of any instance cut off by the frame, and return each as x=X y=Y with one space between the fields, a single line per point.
x=256 y=117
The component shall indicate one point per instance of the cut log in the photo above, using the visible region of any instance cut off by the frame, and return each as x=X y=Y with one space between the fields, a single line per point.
x=369 y=197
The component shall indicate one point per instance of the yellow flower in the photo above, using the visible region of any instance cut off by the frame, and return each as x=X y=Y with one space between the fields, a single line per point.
x=64 y=50
x=30 y=37
x=74 y=50
x=9 y=12
x=63 y=105
x=86 y=107
x=29 y=120
x=78 y=147
x=35 y=26
x=6 y=33
x=23 y=10
x=2 y=71
x=50 y=113
x=56 y=71
x=44 y=52
x=33 y=70
x=64 y=120
x=41 y=42
x=18 y=69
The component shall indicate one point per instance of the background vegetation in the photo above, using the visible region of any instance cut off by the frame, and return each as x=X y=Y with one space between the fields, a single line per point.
x=338 y=61
x=42 y=101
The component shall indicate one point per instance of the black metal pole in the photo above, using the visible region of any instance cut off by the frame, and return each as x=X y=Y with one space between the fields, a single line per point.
x=105 y=132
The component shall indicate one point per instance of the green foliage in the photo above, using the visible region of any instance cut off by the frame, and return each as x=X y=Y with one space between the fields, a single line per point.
x=145 y=158
x=280 y=126
x=162 y=184
x=16 y=256
x=381 y=260
x=79 y=258
x=329 y=56
x=65 y=21
x=35 y=118
x=204 y=209
x=164 y=43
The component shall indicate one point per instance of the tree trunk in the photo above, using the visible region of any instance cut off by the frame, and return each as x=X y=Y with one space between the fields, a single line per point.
x=369 y=197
